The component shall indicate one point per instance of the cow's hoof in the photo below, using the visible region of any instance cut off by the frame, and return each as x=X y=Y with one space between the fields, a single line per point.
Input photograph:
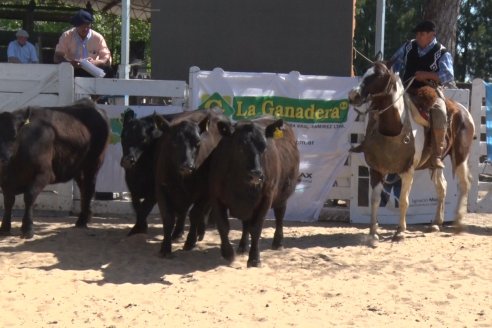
x=167 y=255
x=27 y=234
x=176 y=237
x=434 y=228
x=254 y=264
x=5 y=232
x=242 y=249
x=277 y=247
x=80 y=224
x=227 y=253
x=188 y=246
x=136 y=230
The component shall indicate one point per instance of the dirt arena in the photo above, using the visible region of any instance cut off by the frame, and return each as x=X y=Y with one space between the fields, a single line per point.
x=325 y=276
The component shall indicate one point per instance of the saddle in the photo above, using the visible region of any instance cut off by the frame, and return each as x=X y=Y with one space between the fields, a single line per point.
x=421 y=101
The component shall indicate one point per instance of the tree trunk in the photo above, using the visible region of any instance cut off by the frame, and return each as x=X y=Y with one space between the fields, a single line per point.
x=444 y=13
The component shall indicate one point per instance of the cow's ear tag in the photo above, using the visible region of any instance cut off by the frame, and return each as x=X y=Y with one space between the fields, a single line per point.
x=277 y=134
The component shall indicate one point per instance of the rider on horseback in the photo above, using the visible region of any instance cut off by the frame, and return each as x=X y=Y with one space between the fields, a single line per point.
x=431 y=64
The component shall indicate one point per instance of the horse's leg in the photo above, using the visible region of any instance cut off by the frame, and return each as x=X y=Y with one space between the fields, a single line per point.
x=406 y=186
x=376 y=180
x=462 y=173
x=440 y=183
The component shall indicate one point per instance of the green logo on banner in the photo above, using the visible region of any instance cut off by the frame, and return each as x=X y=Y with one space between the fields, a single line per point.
x=289 y=109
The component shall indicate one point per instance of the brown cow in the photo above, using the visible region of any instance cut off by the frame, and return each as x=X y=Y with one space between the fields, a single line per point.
x=46 y=145
x=254 y=168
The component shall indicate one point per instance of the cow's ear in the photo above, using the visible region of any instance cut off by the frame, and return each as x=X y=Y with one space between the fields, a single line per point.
x=273 y=130
x=225 y=128
x=128 y=115
x=203 y=125
x=161 y=123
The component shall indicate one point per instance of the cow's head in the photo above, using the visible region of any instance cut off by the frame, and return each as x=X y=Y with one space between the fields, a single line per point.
x=137 y=136
x=248 y=142
x=185 y=138
x=10 y=125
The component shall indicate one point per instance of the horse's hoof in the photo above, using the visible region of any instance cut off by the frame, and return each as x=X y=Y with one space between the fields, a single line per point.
x=459 y=228
x=434 y=228
x=398 y=236
x=167 y=255
x=242 y=249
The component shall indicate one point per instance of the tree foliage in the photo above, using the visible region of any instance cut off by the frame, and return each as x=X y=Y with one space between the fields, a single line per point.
x=472 y=34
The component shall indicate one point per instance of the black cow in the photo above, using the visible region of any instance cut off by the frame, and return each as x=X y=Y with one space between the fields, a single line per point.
x=139 y=142
x=254 y=168
x=46 y=145
x=181 y=171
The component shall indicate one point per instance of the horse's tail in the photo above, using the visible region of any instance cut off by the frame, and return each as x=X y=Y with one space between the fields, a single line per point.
x=461 y=133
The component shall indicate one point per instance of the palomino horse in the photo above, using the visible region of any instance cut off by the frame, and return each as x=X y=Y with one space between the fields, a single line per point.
x=397 y=140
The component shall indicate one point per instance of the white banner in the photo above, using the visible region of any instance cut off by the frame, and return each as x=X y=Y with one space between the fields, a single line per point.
x=315 y=106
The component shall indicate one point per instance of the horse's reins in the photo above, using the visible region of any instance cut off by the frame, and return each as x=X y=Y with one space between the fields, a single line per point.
x=385 y=93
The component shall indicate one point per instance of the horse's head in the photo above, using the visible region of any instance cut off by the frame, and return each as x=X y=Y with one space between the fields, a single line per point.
x=378 y=80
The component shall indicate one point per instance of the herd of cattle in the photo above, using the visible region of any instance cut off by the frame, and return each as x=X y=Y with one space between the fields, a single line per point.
x=197 y=164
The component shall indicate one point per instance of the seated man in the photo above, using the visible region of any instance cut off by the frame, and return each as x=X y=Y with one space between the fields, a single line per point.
x=20 y=50
x=81 y=42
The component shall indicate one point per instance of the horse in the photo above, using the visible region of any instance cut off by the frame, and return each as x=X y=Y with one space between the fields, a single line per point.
x=395 y=126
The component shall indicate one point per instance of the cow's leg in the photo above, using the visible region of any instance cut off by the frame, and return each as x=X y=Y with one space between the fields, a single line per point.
x=142 y=210
x=255 y=228
x=244 y=242
x=30 y=196
x=87 y=185
x=437 y=176
x=376 y=180
x=8 y=203
x=463 y=175
x=219 y=213
x=406 y=185
x=197 y=223
x=168 y=218
x=178 y=230
x=278 y=237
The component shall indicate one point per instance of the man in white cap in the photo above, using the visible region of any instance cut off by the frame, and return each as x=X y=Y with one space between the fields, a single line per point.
x=82 y=42
x=20 y=50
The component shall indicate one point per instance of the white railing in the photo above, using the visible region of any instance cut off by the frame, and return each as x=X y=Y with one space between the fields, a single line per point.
x=54 y=85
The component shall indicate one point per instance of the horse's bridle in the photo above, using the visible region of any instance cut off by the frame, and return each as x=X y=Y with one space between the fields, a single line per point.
x=385 y=92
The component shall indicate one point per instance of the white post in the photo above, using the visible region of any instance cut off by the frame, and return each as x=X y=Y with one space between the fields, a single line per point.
x=124 y=69
x=380 y=18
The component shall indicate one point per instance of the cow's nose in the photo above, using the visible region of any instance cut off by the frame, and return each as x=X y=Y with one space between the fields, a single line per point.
x=127 y=161
x=187 y=169
x=256 y=176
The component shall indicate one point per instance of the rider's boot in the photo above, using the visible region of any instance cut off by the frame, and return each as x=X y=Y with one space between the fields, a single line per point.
x=439 y=144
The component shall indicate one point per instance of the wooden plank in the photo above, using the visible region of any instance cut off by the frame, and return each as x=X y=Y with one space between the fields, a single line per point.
x=19 y=86
x=118 y=87
x=26 y=72
x=39 y=100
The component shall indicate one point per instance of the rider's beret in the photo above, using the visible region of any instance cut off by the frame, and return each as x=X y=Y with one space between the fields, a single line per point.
x=81 y=17
x=425 y=26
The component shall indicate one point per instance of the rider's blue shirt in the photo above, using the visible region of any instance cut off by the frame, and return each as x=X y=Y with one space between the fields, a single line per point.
x=446 y=71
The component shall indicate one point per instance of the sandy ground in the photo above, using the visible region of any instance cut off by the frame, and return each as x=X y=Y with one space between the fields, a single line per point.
x=325 y=276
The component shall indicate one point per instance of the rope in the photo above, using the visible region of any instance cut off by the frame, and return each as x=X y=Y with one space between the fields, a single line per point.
x=362 y=55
